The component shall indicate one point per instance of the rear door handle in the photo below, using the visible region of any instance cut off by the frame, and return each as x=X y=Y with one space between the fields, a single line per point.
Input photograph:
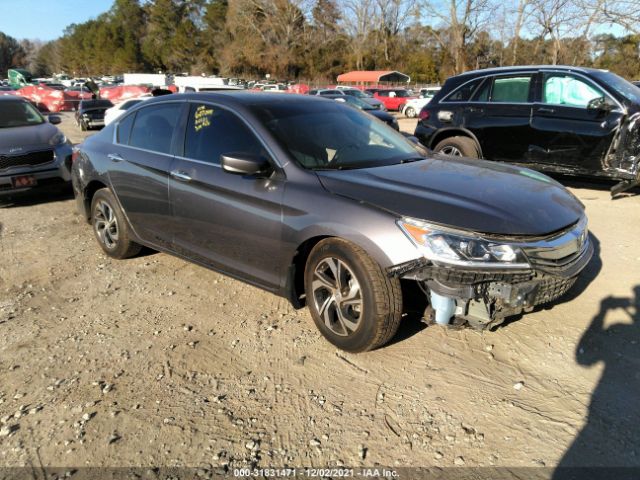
x=114 y=157
x=179 y=175
x=546 y=110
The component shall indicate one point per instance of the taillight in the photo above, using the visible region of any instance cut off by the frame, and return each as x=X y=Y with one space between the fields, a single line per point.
x=424 y=114
x=75 y=153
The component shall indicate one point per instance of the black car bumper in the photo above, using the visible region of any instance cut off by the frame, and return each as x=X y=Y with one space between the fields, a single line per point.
x=425 y=134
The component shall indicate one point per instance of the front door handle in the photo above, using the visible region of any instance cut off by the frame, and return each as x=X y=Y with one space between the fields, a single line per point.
x=180 y=175
x=546 y=110
x=114 y=157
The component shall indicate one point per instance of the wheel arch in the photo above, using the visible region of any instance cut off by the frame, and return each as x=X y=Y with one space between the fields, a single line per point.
x=89 y=191
x=445 y=133
x=294 y=287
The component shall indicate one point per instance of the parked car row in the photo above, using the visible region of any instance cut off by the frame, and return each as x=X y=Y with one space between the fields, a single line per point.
x=413 y=106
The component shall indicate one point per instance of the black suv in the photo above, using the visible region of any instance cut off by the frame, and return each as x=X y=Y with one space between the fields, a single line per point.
x=569 y=120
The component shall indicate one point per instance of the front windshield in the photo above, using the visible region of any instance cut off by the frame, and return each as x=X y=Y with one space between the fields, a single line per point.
x=19 y=114
x=335 y=137
x=627 y=89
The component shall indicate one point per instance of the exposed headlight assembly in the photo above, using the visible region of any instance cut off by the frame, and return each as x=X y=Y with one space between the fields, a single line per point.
x=465 y=249
x=57 y=139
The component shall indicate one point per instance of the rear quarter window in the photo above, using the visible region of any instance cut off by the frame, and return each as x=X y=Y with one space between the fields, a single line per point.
x=124 y=129
x=464 y=92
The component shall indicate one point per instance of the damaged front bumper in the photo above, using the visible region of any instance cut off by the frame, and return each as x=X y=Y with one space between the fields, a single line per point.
x=484 y=298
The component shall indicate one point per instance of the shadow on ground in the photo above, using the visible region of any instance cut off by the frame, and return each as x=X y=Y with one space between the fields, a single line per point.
x=37 y=196
x=608 y=446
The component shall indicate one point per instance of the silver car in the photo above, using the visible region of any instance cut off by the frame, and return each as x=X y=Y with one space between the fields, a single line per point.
x=329 y=207
x=33 y=152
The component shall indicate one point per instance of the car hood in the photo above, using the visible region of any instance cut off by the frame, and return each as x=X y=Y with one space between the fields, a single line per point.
x=469 y=194
x=15 y=140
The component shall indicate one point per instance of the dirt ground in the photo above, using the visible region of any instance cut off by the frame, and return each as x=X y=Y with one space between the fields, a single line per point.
x=154 y=361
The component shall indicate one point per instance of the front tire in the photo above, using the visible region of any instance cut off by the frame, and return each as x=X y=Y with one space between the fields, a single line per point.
x=110 y=226
x=410 y=112
x=354 y=304
x=458 y=147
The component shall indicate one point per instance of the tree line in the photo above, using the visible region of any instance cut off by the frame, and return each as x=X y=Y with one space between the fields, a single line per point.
x=318 y=39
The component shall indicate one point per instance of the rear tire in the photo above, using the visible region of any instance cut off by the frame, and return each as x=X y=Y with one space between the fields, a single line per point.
x=458 y=147
x=354 y=304
x=410 y=112
x=83 y=126
x=110 y=226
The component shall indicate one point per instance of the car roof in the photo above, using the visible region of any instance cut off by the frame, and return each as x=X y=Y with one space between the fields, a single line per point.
x=522 y=68
x=238 y=98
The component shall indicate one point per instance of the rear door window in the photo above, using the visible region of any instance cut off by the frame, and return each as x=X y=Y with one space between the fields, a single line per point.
x=154 y=126
x=560 y=89
x=511 y=89
x=213 y=131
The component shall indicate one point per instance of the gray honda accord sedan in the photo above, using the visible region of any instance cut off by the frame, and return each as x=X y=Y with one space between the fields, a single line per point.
x=329 y=207
x=33 y=152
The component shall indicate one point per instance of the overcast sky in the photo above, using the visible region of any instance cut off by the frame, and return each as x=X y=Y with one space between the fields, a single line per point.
x=46 y=19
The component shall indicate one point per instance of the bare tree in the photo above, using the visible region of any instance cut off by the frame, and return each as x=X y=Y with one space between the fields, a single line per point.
x=459 y=21
x=393 y=16
x=554 y=19
x=359 y=21
x=522 y=14
x=625 y=13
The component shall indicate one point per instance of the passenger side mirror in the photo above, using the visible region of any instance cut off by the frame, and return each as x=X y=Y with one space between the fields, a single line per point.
x=54 y=119
x=245 y=164
x=600 y=104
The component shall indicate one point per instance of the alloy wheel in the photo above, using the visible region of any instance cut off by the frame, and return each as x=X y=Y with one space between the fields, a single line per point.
x=451 y=150
x=337 y=296
x=106 y=224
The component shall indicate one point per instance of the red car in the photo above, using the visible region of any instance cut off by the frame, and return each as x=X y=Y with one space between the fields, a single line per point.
x=394 y=99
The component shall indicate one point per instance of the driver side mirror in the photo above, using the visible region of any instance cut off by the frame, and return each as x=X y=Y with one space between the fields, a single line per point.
x=600 y=104
x=54 y=119
x=245 y=164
